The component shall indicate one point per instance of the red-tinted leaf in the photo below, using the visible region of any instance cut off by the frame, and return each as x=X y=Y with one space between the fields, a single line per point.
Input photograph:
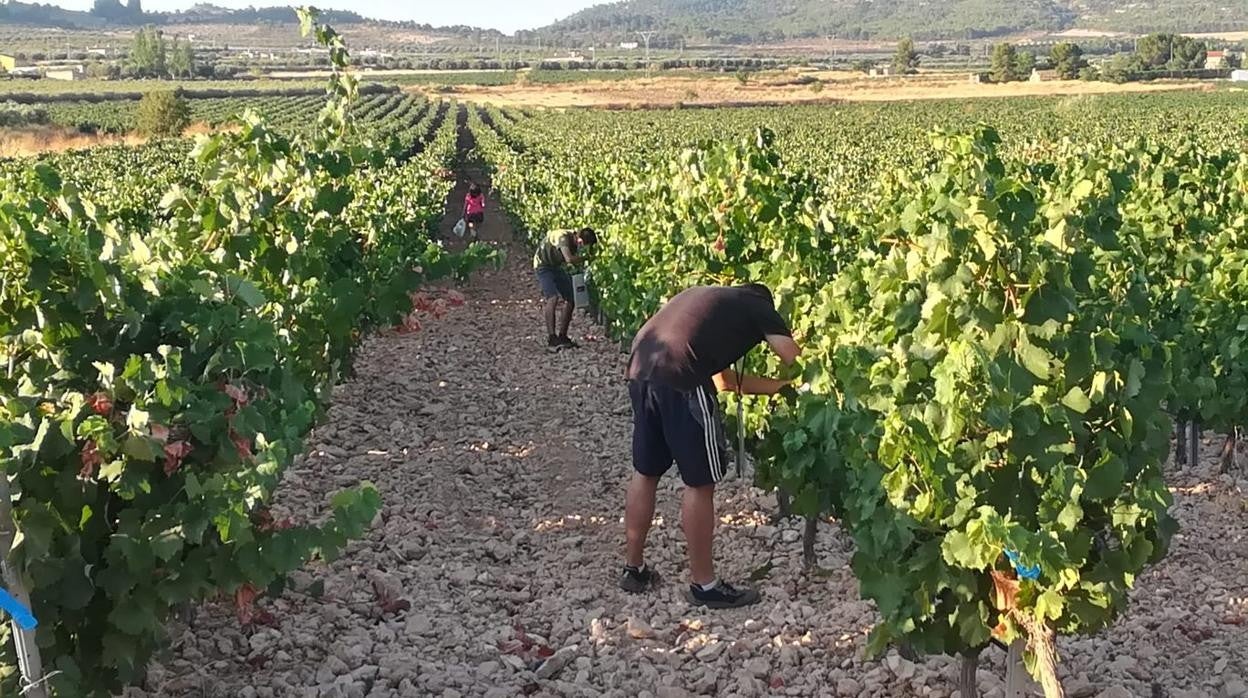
x=237 y=394
x=242 y=444
x=174 y=453
x=100 y=404
x=1005 y=590
x=409 y=325
x=245 y=603
x=777 y=682
x=264 y=617
x=455 y=298
x=160 y=432
x=545 y=652
x=91 y=459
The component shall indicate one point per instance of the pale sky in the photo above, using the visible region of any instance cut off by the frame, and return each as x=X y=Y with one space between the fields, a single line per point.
x=507 y=15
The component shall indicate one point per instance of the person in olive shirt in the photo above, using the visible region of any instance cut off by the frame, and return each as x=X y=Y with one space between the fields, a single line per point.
x=557 y=249
x=680 y=359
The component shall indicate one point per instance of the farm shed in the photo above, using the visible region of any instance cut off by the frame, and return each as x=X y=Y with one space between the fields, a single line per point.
x=980 y=78
x=1239 y=76
x=8 y=62
x=1216 y=60
x=1038 y=75
x=68 y=74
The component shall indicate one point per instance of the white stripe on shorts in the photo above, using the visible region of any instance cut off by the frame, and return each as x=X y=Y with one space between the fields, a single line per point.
x=708 y=432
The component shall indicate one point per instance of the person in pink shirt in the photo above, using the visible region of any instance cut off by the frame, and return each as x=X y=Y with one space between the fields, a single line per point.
x=474 y=209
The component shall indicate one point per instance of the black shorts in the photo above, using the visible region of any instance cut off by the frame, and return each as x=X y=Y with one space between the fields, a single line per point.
x=478 y=217
x=684 y=425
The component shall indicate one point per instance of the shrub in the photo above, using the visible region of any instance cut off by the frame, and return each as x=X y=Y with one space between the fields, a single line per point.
x=162 y=114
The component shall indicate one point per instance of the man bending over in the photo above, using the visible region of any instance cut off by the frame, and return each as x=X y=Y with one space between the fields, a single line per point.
x=681 y=358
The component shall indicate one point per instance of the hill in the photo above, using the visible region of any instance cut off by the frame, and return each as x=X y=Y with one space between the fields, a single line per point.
x=112 y=13
x=738 y=21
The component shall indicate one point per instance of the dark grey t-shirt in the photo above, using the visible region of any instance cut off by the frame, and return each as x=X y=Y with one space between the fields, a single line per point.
x=700 y=333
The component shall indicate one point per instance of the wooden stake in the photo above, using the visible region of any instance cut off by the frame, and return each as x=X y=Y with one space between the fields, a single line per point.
x=808 y=542
x=1180 y=443
x=1018 y=683
x=968 y=683
x=1193 y=443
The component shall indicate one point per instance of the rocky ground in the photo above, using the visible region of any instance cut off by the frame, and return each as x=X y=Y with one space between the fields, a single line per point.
x=491 y=570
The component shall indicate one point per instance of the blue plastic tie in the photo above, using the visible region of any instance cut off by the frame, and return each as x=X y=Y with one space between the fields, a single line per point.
x=1031 y=573
x=25 y=619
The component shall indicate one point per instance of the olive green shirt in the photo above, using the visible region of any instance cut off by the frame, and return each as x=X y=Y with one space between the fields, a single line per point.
x=550 y=251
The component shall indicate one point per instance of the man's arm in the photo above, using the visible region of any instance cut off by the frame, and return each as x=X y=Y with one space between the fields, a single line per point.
x=785 y=347
x=728 y=380
x=569 y=256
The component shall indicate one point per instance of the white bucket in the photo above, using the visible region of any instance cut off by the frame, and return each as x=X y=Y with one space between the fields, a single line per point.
x=580 y=290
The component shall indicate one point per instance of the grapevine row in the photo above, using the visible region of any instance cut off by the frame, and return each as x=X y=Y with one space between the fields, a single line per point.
x=994 y=331
x=167 y=357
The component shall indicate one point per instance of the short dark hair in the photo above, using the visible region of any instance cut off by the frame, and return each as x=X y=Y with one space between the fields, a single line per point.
x=761 y=290
x=474 y=189
x=588 y=236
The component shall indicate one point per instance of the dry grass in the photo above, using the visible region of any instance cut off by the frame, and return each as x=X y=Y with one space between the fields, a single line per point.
x=35 y=141
x=778 y=88
x=30 y=141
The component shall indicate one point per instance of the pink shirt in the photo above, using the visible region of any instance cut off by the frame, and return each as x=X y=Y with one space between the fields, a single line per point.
x=474 y=204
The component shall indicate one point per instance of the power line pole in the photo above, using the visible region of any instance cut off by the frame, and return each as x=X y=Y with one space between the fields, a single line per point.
x=645 y=36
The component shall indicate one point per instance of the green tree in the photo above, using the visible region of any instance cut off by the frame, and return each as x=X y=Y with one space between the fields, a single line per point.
x=1122 y=68
x=163 y=113
x=906 y=60
x=1067 y=60
x=1004 y=63
x=1187 y=54
x=1024 y=64
x=149 y=54
x=181 y=59
x=1153 y=51
x=1170 y=51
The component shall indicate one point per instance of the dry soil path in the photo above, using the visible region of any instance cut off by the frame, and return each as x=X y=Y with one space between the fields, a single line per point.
x=502 y=469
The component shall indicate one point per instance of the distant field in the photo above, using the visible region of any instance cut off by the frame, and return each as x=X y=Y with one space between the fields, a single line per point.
x=62 y=126
x=494 y=78
x=717 y=89
x=22 y=86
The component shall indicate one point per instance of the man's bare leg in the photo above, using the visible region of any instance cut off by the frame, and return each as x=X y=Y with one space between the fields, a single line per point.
x=565 y=319
x=548 y=311
x=638 y=516
x=698 y=519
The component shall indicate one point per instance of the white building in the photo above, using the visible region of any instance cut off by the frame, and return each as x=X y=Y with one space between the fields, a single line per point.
x=629 y=45
x=1239 y=75
x=68 y=73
